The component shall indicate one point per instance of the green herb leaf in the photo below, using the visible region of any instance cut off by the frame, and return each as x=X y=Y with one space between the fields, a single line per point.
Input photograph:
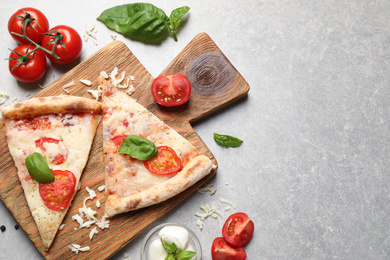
x=138 y=148
x=185 y=255
x=39 y=169
x=175 y=19
x=141 y=21
x=227 y=140
x=170 y=257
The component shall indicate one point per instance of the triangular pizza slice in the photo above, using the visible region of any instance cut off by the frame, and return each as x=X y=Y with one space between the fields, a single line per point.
x=137 y=175
x=50 y=136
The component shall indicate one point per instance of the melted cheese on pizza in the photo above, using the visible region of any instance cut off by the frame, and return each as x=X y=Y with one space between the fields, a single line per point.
x=75 y=138
x=124 y=116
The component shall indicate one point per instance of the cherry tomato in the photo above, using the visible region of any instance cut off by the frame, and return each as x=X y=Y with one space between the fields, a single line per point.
x=62 y=151
x=31 y=20
x=222 y=250
x=171 y=90
x=27 y=69
x=71 y=45
x=238 y=229
x=166 y=162
x=58 y=194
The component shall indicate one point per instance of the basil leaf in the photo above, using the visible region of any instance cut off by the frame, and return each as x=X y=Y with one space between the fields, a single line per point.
x=39 y=169
x=185 y=255
x=227 y=140
x=142 y=21
x=170 y=257
x=175 y=19
x=138 y=148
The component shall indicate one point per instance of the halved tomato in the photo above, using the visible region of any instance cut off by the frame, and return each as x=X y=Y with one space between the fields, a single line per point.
x=58 y=194
x=171 y=90
x=222 y=250
x=166 y=162
x=238 y=229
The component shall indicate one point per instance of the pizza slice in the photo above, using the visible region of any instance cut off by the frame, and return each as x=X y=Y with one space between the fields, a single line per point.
x=146 y=161
x=60 y=129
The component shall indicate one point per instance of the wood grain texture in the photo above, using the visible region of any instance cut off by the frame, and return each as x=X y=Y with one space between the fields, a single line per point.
x=215 y=84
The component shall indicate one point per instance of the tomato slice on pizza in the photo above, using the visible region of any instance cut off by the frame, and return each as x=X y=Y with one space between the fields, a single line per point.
x=61 y=129
x=58 y=194
x=133 y=183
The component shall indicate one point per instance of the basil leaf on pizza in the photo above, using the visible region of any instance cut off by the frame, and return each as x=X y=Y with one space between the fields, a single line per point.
x=38 y=168
x=138 y=148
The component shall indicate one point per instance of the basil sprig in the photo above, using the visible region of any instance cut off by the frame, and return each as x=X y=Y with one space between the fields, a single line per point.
x=142 y=21
x=176 y=253
x=38 y=168
x=227 y=140
x=138 y=148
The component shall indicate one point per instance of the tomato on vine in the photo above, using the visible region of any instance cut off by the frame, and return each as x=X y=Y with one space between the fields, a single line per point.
x=29 y=22
x=27 y=64
x=65 y=42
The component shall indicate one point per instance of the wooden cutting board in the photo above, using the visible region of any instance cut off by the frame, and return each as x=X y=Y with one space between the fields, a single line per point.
x=215 y=83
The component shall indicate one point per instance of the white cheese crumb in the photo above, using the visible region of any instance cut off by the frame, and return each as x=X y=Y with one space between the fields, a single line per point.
x=93 y=232
x=101 y=188
x=208 y=210
x=226 y=202
x=76 y=248
x=130 y=90
x=28 y=94
x=131 y=78
x=39 y=85
x=91 y=193
x=86 y=82
x=96 y=93
x=103 y=223
x=98 y=204
x=91 y=32
x=62 y=227
x=208 y=187
x=3 y=97
x=104 y=74
x=228 y=208
x=113 y=36
x=67 y=85
x=78 y=218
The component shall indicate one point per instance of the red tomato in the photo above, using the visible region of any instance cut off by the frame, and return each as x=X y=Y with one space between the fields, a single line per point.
x=31 y=20
x=166 y=162
x=118 y=139
x=238 y=229
x=70 y=39
x=30 y=68
x=63 y=152
x=222 y=250
x=171 y=90
x=58 y=194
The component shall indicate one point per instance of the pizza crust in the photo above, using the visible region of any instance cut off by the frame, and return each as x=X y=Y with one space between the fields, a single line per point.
x=51 y=105
x=194 y=171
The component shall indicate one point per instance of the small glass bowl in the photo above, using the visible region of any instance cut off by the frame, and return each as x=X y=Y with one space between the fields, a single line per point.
x=153 y=234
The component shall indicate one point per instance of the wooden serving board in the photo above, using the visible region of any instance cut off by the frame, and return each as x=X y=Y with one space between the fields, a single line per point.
x=215 y=83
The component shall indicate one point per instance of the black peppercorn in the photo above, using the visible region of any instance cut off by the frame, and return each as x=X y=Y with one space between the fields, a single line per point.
x=2 y=228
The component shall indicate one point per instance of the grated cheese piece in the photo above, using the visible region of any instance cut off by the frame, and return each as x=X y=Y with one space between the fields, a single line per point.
x=96 y=93
x=86 y=82
x=98 y=204
x=103 y=223
x=226 y=202
x=78 y=218
x=93 y=232
x=200 y=223
x=91 y=32
x=208 y=210
x=113 y=36
x=101 y=188
x=130 y=90
x=62 y=227
x=104 y=74
x=67 y=85
x=77 y=248
x=208 y=187
x=228 y=208
x=91 y=193
x=3 y=97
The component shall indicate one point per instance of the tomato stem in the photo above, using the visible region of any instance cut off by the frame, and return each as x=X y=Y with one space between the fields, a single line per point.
x=27 y=20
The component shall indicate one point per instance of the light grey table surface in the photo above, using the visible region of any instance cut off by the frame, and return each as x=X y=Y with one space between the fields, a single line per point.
x=313 y=170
